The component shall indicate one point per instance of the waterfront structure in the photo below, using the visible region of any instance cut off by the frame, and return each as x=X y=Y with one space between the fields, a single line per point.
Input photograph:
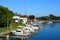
x=24 y=20
x=23 y=32
x=17 y=19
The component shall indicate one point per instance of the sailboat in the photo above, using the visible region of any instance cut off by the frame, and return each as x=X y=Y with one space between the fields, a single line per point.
x=50 y=22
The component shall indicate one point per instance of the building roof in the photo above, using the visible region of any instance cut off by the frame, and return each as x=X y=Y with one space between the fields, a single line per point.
x=16 y=17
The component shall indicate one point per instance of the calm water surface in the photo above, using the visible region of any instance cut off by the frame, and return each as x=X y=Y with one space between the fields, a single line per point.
x=48 y=32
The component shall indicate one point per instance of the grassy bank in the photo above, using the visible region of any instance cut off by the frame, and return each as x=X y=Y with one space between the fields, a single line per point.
x=12 y=26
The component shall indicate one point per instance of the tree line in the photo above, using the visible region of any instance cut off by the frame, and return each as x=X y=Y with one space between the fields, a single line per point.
x=50 y=17
x=6 y=16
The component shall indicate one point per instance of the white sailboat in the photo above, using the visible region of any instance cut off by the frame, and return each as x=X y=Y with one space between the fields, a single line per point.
x=49 y=22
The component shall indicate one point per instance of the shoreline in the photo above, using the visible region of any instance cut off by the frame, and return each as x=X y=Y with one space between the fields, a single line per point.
x=4 y=34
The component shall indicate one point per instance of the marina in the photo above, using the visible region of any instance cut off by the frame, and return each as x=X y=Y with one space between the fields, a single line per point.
x=48 y=32
x=23 y=33
x=29 y=20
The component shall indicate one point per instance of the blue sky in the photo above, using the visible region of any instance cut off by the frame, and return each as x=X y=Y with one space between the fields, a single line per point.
x=33 y=7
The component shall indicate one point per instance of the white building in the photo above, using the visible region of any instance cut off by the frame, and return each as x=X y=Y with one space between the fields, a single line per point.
x=24 y=20
x=17 y=19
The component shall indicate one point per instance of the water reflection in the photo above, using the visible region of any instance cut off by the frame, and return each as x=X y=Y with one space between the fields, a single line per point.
x=15 y=39
x=49 y=32
x=52 y=25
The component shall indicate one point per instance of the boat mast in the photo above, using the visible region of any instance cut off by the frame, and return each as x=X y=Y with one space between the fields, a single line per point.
x=25 y=7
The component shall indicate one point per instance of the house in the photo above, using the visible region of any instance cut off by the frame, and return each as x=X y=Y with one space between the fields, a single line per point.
x=17 y=19
x=24 y=20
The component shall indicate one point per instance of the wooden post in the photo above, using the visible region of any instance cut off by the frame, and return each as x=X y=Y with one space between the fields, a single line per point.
x=7 y=37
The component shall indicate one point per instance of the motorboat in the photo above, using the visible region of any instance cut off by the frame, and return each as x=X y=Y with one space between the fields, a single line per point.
x=28 y=29
x=20 y=26
x=32 y=30
x=50 y=22
x=17 y=32
x=35 y=27
x=40 y=22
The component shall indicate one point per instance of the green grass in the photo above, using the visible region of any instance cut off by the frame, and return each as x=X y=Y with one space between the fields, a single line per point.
x=12 y=26
x=3 y=29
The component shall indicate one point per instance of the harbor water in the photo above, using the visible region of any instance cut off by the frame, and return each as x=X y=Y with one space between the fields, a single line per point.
x=48 y=32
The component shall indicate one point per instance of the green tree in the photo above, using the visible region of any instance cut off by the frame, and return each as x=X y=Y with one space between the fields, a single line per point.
x=5 y=16
x=52 y=17
x=31 y=17
x=43 y=18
